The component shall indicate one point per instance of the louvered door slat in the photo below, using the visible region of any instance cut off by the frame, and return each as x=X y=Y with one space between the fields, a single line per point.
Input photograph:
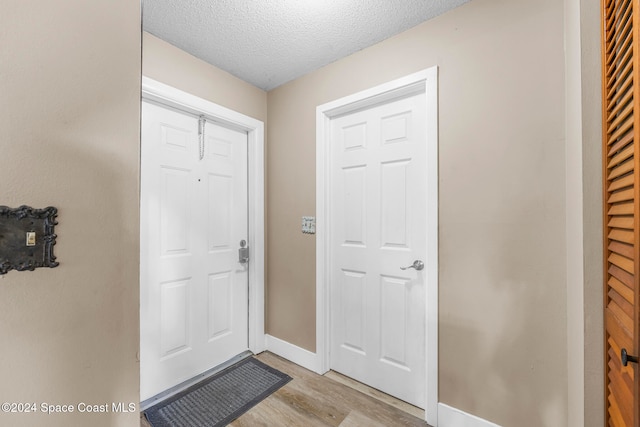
x=621 y=191
x=623 y=31
x=617 y=67
x=616 y=81
x=622 y=222
x=625 y=95
x=621 y=288
x=616 y=330
x=621 y=196
x=622 y=209
x=619 y=117
x=621 y=169
x=622 y=383
x=624 y=320
x=621 y=156
x=622 y=182
x=621 y=65
x=617 y=57
x=625 y=305
x=621 y=89
x=625 y=127
x=623 y=262
x=612 y=14
x=623 y=403
x=615 y=419
x=620 y=235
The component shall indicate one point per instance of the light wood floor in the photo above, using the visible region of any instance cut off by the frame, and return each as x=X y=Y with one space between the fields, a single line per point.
x=312 y=400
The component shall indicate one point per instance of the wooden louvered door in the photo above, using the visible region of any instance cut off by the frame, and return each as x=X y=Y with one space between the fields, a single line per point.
x=621 y=139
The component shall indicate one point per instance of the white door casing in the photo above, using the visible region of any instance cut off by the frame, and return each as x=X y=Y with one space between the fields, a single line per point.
x=200 y=205
x=377 y=211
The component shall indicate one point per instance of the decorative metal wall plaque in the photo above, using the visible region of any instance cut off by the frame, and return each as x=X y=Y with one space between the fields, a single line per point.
x=27 y=238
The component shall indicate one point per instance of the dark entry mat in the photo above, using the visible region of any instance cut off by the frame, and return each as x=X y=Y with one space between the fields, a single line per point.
x=220 y=399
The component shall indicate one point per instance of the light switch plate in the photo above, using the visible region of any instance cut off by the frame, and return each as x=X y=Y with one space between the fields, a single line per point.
x=27 y=238
x=309 y=224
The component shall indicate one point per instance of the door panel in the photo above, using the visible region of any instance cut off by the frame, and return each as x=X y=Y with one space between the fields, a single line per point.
x=174 y=317
x=395 y=230
x=220 y=300
x=621 y=131
x=378 y=224
x=174 y=211
x=353 y=313
x=394 y=320
x=194 y=292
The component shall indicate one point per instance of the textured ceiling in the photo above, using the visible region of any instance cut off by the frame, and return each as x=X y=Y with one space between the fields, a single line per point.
x=269 y=42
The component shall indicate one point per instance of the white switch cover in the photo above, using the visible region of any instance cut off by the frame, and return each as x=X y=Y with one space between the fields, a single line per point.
x=31 y=238
x=309 y=224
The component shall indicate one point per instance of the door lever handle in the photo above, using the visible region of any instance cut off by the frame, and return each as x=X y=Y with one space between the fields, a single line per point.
x=417 y=264
x=627 y=358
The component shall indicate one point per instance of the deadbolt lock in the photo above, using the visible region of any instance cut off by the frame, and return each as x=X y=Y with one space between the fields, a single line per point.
x=243 y=252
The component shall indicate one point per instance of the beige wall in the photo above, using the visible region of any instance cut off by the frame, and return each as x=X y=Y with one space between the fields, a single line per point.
x=584 y=215
x=592 y=304
x=69 y=138
x=69 y=109
x=166 y=63
x=574 y=217
x=503 y=352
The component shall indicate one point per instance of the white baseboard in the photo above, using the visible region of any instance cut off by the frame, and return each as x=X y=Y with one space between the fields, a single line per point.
x=292 y=352
x=452 y=417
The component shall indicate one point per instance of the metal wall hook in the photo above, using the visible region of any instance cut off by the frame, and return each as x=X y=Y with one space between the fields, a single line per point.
x=201 y=123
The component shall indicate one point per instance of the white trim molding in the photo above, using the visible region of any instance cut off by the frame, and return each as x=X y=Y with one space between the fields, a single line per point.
x=452 y=417
x=292 y=353
x=426 y=82
x=167 y=95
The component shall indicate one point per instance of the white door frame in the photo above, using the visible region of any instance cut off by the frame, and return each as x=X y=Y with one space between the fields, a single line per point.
x=425 y=81
x=159 y=92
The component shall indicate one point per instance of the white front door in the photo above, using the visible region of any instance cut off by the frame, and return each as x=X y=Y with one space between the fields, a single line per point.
x=194 y=290
x=378 y=223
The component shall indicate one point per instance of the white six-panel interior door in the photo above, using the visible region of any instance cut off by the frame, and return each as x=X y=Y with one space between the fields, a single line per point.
x=378 y=223
x=377 y=212
x=194 y=290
